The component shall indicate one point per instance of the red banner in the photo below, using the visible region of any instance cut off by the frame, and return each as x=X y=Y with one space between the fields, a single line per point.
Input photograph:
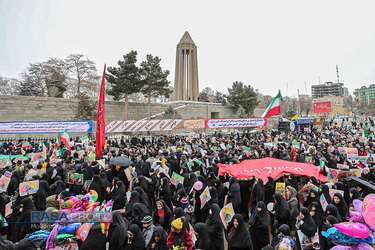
x=100 y=122
x=322 y=107
x=262 y=168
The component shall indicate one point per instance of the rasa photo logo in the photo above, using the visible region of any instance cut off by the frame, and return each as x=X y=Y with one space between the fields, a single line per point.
x=70 y=217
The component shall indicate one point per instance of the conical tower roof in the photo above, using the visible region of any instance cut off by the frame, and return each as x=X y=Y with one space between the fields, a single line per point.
x=186 y=38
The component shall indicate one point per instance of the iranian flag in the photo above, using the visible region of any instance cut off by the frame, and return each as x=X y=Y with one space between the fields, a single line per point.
x=45 y=149
x=65 y=139
x=274 y=108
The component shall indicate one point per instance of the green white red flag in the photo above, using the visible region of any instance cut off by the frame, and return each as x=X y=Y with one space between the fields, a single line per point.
x=66 y=140
x=274 y=108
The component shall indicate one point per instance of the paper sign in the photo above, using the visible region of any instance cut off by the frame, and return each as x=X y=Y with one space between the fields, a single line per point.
x=128 y=195
x=363 y=159
x=75 y=179
x=323 y=202
x=4 y=183
x=176 y=178
x=192 y=234
x=352 y=154
x=87 y=184
x=307 y=187
x=280 y=188
x=8 y=174
x=205 y=197
x=128 y=172
x=8 y=209
x=332 y=192
x=29 y=187
x=308 y=159
x=343 y=167
x=226 y=214
x=296 y=145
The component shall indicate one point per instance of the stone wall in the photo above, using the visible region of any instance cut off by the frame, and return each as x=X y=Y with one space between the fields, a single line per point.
x=30 y=108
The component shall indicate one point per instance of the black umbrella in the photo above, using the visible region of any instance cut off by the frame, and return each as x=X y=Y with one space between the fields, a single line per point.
x=355 y=181
x=121 y=161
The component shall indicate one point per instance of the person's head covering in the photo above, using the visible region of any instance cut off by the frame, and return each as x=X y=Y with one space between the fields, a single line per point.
x=342 y=207
x=285 y=230
x=27 y=205
x=177 y=224
x=147 y=220
x=332 y=219
x=308 y=227
x=95 y=239
x=204 y=240
x=239 y=238
x=332 y=210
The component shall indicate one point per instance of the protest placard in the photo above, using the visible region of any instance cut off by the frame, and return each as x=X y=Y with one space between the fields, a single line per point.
x=205 y=197
x=176 y=178
x=29 y=187
x=75 y=179
x=226 y=214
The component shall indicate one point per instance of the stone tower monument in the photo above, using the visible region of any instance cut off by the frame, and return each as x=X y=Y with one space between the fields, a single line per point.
x=186 y=86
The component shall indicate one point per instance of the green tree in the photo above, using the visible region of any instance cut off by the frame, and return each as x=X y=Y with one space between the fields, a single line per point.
x=85 y=108
x=154 y=80
x=243 y=96
x=205 y=94
x=125 y=79
x=170 y=113
x=219 y=98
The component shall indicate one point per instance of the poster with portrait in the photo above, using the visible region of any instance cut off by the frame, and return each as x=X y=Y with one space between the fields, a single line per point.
x=205 y=197
x=29 y=187
x=226 y=214
x=75 y=179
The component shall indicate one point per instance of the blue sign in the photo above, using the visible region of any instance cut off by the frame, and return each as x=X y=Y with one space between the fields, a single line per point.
x=304 y=121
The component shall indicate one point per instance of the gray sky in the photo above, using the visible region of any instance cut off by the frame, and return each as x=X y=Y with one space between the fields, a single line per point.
x=266 y=44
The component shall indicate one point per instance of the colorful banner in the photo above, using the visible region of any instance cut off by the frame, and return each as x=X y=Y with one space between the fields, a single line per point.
x=29 y=187
x=45 y=127
x=235 y=123
x=205 y=197
x=226 y=214
x=322 y=107
x=262 y=168
x=4 y=183
x=176 y=178
x=296 y=145
x=280 y=188
x=75 y=179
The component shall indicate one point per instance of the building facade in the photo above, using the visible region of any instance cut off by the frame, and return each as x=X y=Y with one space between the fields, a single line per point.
x=328 y=89
x=365 y=96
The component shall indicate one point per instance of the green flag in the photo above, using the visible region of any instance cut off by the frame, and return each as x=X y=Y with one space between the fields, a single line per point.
x=365 y=131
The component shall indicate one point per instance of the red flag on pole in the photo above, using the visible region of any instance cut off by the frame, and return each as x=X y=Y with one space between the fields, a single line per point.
x=100 y=121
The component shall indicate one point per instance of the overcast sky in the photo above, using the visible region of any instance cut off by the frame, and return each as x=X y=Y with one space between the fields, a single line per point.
x=267 y=44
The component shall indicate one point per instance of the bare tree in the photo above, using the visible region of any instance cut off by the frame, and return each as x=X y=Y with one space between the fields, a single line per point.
x=40 y=77
x=82 y=73
x=9 y=86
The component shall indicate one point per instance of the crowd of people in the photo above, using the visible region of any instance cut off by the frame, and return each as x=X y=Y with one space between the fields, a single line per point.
x=159 y=214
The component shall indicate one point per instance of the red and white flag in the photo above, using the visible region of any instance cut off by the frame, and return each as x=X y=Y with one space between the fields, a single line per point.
x=274 y=108
x=66 y=140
